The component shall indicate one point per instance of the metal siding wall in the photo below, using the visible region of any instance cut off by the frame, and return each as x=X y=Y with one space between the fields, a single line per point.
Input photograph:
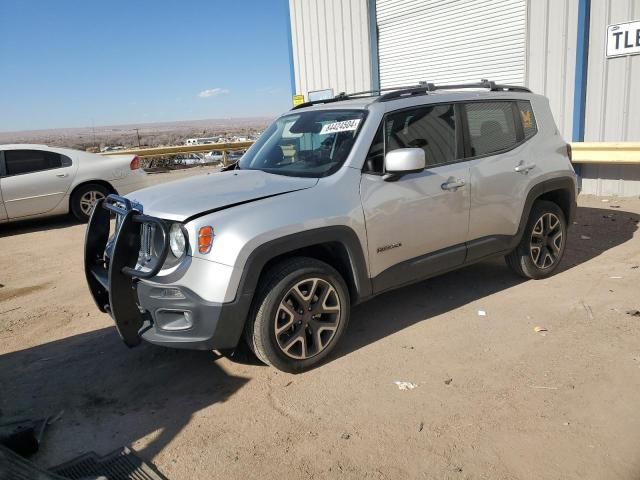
x=552 y=29
x=330 y=45
x=613 y=100
x=613 y=104
x=451 y=41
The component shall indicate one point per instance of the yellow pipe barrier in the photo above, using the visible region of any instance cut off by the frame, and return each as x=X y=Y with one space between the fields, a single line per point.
x=581 y=152
x=615 y=153
x=180 y=149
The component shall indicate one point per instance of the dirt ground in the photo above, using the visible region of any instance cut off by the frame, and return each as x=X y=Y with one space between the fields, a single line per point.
x=494 y=399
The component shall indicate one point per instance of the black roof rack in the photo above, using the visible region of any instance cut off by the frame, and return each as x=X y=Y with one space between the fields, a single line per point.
x=349 y=96
x=423 y=88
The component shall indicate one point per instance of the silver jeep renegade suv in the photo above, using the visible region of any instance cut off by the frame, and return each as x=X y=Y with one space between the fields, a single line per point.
x=337 y=201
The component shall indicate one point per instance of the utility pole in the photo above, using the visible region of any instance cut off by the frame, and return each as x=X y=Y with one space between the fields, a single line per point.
x=138 y=134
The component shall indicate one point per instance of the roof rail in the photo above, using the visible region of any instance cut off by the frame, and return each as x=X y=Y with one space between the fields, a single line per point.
x=484 y=83
x=425 y=88
x=348 y=96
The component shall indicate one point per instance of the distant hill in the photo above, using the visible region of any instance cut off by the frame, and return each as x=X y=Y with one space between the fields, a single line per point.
x=151 y=134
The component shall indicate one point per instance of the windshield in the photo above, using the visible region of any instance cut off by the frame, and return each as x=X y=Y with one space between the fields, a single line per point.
x=306 y=144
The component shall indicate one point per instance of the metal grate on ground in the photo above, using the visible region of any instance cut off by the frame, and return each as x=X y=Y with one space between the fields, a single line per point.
x=123 y=464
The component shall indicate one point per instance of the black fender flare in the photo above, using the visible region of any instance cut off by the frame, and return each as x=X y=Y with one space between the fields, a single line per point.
x=565 y=183
x=343 y=235
x=235 y=314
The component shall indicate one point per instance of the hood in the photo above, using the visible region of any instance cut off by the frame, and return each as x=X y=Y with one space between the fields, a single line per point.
x=199 y=195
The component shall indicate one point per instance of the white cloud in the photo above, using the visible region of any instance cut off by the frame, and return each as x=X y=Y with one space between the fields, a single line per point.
x=213 y=92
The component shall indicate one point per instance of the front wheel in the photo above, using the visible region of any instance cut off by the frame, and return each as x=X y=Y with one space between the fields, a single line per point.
x=543 y=242
x=300 y=313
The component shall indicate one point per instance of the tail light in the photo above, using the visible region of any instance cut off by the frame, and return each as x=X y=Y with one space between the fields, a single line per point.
x=135 y=163
x=569 y=151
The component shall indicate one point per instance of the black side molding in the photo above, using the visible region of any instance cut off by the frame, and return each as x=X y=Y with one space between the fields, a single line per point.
x=419 y=268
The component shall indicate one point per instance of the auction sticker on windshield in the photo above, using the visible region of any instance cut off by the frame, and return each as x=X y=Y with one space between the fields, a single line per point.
x=344 y=126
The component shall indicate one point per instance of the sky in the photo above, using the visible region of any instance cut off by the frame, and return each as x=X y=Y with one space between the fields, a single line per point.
x=77 y=63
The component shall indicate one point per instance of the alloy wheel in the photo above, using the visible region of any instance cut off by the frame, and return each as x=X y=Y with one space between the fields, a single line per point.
x=307 y=318
x=546 y=241
x=88 y=201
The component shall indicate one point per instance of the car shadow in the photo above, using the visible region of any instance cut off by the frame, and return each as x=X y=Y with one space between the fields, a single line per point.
x=594 y=231
x=111 y=395
x=21 y=227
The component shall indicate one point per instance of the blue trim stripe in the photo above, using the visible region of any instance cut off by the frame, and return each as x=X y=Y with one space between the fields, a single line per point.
x=582 y=60
x=373 y=45
x=292 y=72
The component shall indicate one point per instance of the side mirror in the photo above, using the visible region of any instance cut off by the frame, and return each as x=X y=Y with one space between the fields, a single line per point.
x=402 y=162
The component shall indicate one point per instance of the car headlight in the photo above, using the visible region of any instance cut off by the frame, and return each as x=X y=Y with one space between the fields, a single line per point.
x=177 y=240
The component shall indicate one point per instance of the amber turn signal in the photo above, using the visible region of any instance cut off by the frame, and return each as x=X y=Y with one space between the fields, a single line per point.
x=205 y=239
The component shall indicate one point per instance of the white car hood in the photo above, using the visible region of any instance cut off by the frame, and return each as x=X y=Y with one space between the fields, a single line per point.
x=199 y=195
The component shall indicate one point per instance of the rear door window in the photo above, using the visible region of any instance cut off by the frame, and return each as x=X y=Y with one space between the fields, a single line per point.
x=491 y=127
x=18 y=162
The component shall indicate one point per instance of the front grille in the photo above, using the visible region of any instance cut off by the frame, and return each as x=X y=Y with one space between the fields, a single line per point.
x=148 y=247
x=130 y=220
x=147 y=234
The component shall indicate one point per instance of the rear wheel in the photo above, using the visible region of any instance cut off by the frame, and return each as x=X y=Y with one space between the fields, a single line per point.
x=84 y=199
x=300 y=313
x=543 y=242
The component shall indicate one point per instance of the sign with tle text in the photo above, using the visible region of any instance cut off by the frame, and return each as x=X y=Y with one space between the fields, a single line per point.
x=623 y=39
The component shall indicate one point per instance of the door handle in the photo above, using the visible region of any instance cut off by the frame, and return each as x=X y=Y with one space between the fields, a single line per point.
x=524 y=168
x=453 y=185
x=61 y=175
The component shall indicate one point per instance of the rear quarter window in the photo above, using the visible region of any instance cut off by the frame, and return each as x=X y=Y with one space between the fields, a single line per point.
x=528 y=119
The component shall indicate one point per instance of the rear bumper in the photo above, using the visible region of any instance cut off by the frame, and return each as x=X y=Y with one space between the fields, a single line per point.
x=129 y=187
x=134 y=181
x=168 y=315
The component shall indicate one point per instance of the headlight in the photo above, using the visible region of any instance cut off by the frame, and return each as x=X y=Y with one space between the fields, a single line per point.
x=177 y=240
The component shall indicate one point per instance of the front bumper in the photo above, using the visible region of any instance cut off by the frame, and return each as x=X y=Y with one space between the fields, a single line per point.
x=166 y=315
x=187 y=321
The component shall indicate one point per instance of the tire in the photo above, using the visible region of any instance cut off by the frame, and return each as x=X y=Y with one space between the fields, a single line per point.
x=543 y=242
x=81 y=198
x=278 y=333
